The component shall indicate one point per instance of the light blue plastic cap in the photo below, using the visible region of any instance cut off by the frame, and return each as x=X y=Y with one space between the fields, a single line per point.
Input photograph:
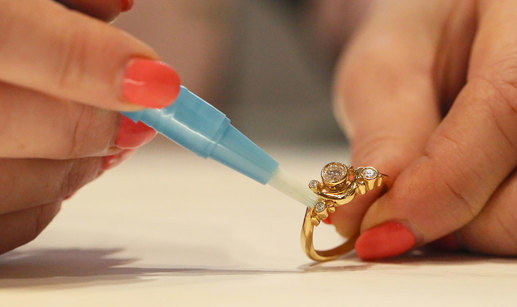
x=196 y=125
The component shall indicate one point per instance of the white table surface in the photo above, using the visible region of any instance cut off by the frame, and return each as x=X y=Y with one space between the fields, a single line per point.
x=169 y=228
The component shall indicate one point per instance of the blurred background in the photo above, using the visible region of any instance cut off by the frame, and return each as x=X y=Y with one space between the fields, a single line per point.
x=267 y=64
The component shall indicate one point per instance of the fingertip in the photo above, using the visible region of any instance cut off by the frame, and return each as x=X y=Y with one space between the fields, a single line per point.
x=387 y=240
x=106 y=10
x=132 y=135
x=150 y=83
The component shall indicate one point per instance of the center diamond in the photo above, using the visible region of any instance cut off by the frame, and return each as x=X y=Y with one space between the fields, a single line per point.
x=334 y=172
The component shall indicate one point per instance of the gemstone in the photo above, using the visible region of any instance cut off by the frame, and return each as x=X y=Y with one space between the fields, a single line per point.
x=313 y=184
x=334 y=172
x=369 y=173
x=320 y=206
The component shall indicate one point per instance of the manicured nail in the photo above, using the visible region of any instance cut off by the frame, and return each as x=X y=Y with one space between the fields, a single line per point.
x=132 y=135
x=126 y=5
x=110 y=162
x=387 y=240
x=448 y=242
x=151 y=84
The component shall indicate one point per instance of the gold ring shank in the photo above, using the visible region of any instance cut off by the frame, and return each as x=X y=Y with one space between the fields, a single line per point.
x=325 y=255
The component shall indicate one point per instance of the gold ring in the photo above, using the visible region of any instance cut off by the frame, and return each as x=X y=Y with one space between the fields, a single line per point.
x=339 y=185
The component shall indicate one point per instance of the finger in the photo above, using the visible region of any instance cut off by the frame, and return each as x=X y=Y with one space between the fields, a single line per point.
x=388 y=101
x=90 y=62
x=26 y=183
x=102 y=9
x=34 y=125
x=21 y=227
x=494 y=230
x=466 y=159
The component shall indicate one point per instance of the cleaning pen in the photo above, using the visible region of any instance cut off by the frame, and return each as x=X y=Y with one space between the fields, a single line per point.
x=199 y=127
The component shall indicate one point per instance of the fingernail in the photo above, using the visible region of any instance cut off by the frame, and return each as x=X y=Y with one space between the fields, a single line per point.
x=126 y=5
x=110 y=162
x=132 y=135
x=387 y=240
x=448 y=242
x=151 y=84
x=327 y=221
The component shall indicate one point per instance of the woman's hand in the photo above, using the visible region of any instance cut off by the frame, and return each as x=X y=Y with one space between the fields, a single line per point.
x=427 y=94
x=60 y=70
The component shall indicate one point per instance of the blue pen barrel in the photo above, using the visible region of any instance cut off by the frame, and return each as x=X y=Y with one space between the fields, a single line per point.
x=199 y=127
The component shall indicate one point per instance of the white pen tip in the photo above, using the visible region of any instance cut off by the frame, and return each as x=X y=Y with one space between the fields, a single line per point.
x=291 y=187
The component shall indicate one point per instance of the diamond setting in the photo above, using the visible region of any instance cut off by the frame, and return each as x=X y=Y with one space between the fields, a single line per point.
x=334 y=173
x=320 y=206
x=369 y=173
x=313 y=184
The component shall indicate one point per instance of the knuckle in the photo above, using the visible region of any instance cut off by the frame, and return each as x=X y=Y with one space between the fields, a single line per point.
x=466 y=205
x=501 y=77
x=503 y=107
x=368 y=146
x=452 y=182
x=77 y=174
x=93 y=132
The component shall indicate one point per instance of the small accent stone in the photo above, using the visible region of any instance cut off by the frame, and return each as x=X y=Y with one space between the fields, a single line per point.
x=313 y=184
x=369 y=173
x=334 y=172
x=320 y=206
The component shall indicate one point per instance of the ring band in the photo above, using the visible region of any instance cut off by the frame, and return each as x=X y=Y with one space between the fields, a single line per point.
x=339 y=186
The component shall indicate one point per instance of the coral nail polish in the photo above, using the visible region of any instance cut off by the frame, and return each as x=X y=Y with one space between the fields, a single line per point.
x=386 y=240
x=126 y=5
x=132 y=135
x=110 y=162
x=151 y=84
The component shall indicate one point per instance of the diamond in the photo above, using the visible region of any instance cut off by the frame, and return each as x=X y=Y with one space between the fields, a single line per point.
x=320 y=206
x=313 y=184
x=334 y=172
x=369 y=173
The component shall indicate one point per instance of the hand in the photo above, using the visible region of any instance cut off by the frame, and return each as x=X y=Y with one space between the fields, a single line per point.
x=60 y=71
x=427 y=94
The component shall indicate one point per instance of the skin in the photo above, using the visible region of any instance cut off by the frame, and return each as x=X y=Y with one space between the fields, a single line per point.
x=48 y=71
x=427 y=93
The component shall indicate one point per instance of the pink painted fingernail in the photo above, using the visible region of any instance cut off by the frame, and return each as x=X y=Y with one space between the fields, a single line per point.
x=126 y=5
x=151 y=84
x=110 y=162
x=386 y=240
x=132 y=135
